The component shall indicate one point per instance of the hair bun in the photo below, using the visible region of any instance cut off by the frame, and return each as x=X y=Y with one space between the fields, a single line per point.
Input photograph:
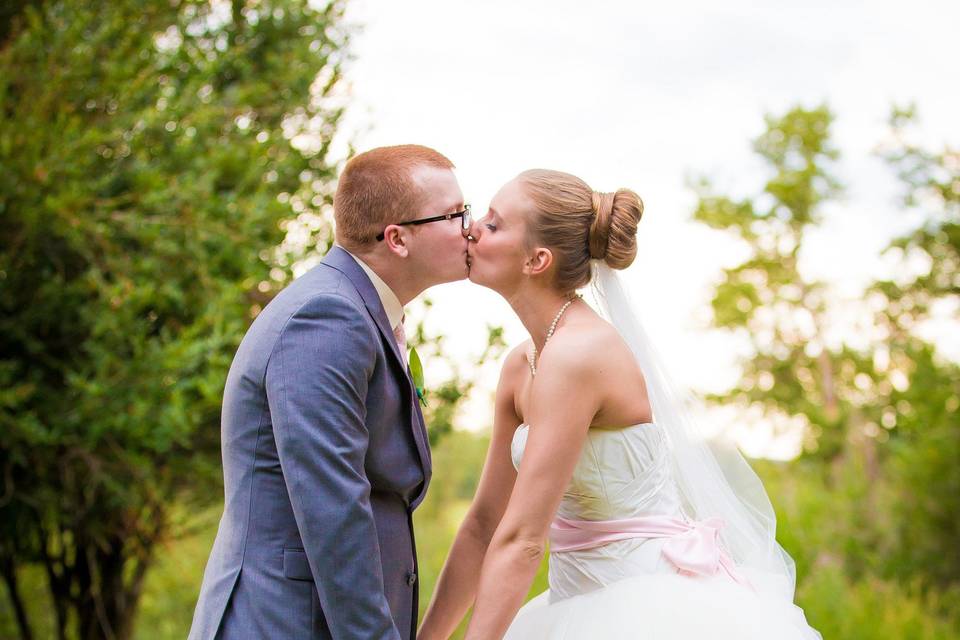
x=600 y=228
x=613 y=233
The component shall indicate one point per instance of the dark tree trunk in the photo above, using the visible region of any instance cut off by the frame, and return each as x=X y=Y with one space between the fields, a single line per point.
x=57 y=577
x=109 y=584
x=95 y=585
x=9 y=569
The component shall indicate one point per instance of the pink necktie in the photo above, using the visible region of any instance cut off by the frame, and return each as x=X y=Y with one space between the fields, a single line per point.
x=401 y=337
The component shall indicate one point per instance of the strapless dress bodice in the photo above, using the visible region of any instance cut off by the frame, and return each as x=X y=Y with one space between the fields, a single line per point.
x=621 y=473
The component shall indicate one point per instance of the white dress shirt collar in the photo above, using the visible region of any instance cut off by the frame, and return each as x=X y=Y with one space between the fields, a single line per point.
x=389 y=300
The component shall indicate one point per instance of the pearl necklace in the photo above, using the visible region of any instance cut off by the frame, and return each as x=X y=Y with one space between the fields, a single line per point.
x=553 y=327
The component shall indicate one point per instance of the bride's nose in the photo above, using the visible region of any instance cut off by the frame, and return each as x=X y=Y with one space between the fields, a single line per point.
x=473 y=231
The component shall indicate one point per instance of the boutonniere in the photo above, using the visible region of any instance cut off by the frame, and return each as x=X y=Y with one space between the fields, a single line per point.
x=416 y=371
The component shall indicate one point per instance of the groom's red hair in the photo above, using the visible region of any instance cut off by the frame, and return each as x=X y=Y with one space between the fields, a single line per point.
x=376 y=188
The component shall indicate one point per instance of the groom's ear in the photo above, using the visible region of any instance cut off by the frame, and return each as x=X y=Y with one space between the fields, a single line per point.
x=396 y=242
x=538 y=262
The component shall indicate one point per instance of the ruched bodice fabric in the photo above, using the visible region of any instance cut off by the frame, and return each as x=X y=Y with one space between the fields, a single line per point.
x=622 y=473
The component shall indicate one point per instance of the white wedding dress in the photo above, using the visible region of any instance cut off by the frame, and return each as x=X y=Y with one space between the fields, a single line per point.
x=631 y=588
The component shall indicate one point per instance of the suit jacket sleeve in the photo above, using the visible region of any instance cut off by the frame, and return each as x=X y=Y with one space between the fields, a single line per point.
x=316 y=387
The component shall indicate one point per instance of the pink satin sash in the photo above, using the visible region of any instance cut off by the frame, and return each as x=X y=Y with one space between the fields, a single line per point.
x=692 y=547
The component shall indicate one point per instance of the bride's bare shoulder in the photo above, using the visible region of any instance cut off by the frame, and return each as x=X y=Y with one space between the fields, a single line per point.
x=515 y=364
x=589 y=345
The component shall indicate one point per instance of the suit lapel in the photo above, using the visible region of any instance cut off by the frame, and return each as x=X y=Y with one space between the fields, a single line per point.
x=344 y=263
x=420 y=435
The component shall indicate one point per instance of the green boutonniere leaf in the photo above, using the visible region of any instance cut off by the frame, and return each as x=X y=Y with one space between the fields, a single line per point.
x=416 y=370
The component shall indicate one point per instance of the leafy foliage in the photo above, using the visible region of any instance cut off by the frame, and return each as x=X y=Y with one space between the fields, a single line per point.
x=877 y=490
x=924 y=406
x=445 y=399
x=153 y=155
x=795 y=370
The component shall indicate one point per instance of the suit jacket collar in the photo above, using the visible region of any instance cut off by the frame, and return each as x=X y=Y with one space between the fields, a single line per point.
x=339 y=259
x=342 y=261
x=391 y=304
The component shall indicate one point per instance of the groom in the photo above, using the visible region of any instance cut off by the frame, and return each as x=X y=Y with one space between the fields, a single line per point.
x=325 y=452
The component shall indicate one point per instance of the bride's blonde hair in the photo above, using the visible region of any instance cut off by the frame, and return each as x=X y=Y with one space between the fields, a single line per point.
x=579 y=224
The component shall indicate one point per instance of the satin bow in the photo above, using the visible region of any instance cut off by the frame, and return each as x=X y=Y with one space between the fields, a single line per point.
x=697 y=551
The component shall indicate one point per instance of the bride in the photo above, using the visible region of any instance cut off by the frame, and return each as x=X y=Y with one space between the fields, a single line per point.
x=652 y=532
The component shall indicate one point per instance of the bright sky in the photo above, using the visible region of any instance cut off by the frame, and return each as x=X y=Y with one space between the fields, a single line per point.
x=644 y=95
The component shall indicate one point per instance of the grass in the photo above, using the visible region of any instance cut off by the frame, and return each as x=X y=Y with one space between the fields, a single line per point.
x=840 y=607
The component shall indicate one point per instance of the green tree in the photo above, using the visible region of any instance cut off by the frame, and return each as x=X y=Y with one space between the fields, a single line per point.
x=444 y=399
x=931 y=183
x=882 y=436
x=162 y=165
x=798 y=368
x=794 y=369
x=924 y=406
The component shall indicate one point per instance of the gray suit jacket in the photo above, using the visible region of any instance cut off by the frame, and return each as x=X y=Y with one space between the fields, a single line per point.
x=325 y=457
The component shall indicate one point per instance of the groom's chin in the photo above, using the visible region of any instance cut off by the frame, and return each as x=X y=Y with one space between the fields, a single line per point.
x=456 y=275
x=465 y=273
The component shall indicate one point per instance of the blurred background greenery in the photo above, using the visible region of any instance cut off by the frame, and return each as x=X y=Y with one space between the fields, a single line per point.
x=165 y=169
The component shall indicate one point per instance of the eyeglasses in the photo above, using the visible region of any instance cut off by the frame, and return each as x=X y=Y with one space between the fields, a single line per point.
x=464 y=215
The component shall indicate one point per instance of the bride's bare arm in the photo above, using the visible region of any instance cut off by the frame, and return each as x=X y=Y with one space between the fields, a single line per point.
x=457 y=585
x=564 y=400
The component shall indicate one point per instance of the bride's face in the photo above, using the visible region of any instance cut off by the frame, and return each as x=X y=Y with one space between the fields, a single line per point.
x=498 y=251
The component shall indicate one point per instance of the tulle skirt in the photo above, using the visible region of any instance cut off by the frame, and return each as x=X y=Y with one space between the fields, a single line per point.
x=662 y=607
